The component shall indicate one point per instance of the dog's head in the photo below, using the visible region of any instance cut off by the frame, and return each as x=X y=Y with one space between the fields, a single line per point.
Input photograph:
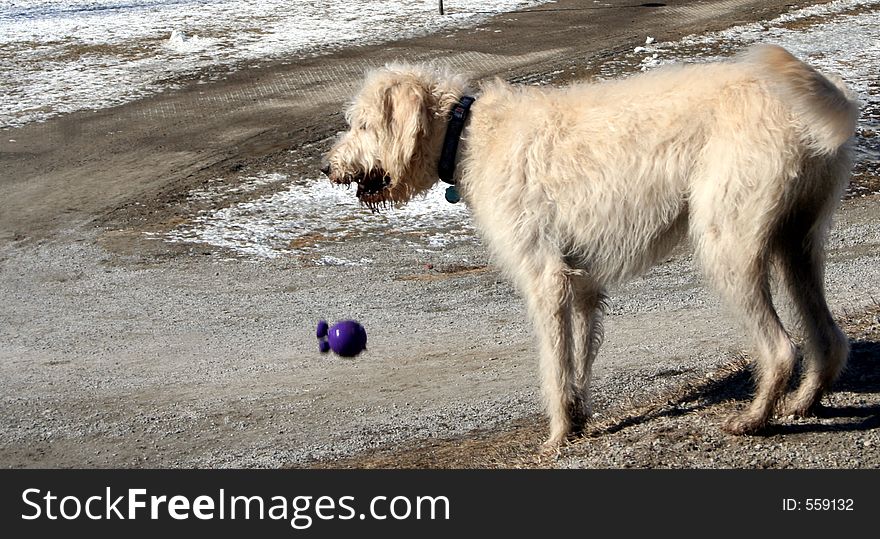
x=396 y=127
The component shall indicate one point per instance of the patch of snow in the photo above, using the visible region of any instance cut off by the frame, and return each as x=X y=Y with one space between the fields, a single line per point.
x=312 y=215
x=59 y=56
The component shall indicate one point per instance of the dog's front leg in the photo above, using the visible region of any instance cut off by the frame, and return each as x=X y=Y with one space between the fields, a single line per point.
x=549 y=296
x=588 y=309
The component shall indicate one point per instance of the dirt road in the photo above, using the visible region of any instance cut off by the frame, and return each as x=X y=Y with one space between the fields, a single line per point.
x=119 y=349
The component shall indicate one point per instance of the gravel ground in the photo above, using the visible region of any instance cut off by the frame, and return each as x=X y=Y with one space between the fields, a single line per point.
x=207 y=361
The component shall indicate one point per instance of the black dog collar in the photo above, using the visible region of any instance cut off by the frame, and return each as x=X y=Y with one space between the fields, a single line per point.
x=460 y=111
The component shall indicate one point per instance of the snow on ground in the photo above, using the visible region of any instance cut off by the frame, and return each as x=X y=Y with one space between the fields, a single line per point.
x=841 y=37
x=312 y=215
x=60 y=56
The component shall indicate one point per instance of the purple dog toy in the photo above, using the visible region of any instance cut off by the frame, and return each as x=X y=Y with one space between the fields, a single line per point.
x=346 y=338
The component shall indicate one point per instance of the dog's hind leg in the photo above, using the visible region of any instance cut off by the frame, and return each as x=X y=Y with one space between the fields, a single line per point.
x=827 y=345
x=587 y=313
x=549 y=294
x=800 y=257
x=738 y=267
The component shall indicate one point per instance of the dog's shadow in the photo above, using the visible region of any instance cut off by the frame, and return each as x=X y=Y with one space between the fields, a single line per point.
x=734 y=382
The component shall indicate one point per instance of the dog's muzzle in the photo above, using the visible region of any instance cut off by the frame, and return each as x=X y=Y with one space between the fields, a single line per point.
x=373 y=183
x=372 y=186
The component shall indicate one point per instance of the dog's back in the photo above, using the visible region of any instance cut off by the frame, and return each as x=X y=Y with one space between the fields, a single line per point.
x=662 y=145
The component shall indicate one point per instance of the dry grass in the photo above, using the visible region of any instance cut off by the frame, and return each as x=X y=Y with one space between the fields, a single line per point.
x=444 y=272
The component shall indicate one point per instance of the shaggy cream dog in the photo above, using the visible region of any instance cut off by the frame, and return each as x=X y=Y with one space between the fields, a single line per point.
x=577 y=189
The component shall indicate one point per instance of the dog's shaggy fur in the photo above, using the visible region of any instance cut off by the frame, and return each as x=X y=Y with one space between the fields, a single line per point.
x=577 y=189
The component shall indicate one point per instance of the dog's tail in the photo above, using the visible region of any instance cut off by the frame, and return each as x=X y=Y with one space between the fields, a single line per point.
x=825 y=107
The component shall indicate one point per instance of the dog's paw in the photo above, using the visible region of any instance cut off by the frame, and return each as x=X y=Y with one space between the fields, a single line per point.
x=800 y=409
x=744 y=424
x=804 y=403
x=553 y=445
x=579 y=426
x=549 y=451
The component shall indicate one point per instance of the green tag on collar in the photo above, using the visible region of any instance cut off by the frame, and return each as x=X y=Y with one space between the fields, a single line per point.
x=452 y=195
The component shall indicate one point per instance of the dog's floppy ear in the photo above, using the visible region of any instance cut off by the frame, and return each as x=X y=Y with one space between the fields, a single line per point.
x=406 y=117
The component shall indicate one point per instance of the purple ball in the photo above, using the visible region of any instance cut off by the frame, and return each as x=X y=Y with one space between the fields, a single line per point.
x=322 y=329
x=347 y=338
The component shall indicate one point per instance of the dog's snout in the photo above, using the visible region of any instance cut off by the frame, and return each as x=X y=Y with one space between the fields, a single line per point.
x=325 y=169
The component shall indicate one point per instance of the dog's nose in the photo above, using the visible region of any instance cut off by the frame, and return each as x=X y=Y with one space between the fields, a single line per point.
x=326 y=169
